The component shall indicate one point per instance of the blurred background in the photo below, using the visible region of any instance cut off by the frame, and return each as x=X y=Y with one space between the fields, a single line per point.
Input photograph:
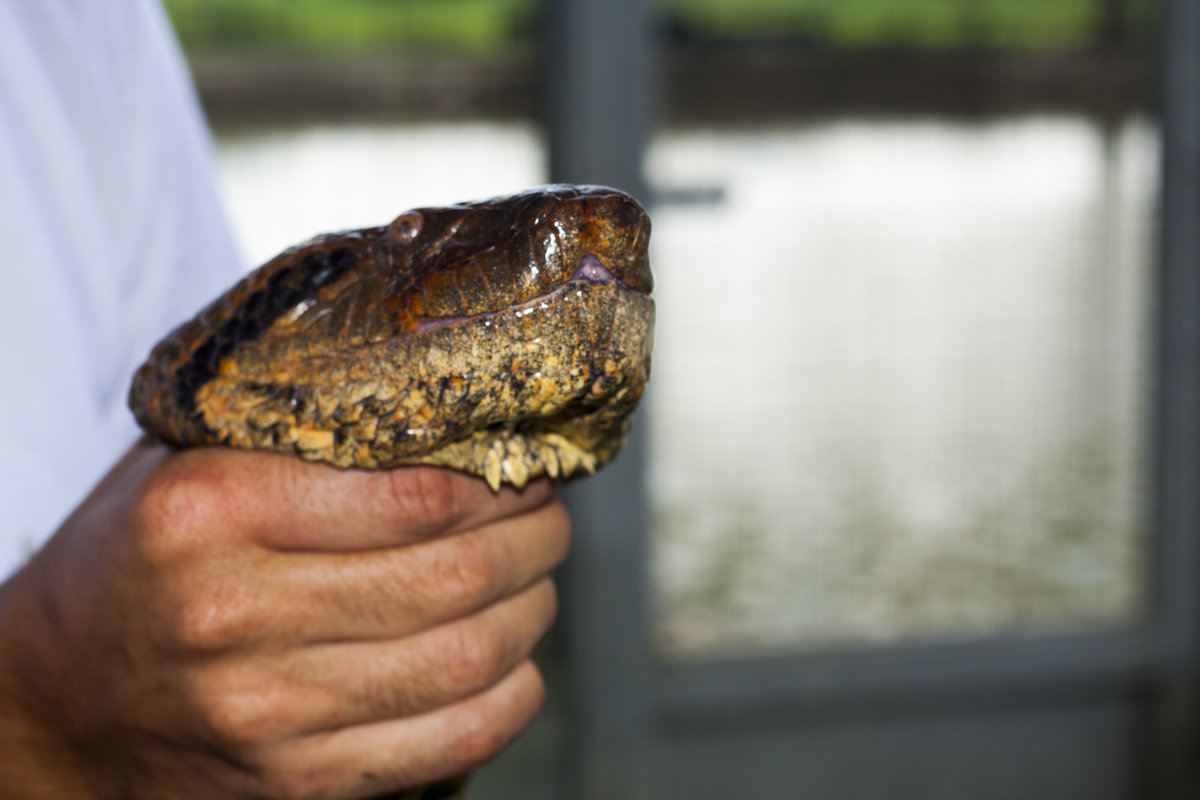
x=887 y=522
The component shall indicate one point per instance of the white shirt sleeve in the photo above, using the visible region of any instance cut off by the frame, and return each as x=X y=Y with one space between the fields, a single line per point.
x=111 y=233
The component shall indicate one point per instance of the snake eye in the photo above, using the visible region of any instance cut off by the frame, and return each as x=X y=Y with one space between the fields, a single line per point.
x=405 y=227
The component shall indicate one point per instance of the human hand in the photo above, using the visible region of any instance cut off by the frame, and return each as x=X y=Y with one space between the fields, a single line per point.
x=223 y=624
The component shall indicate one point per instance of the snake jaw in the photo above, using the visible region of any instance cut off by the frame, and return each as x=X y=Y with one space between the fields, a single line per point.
x=516 y=458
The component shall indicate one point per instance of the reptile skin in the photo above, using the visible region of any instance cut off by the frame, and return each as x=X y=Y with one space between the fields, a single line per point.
x=508 y=338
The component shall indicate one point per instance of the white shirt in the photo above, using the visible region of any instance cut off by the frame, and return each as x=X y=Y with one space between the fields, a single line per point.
x=111 y=233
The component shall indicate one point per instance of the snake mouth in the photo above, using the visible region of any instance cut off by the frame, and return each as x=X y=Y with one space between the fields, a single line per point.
x=589 y=272
x=592 y=270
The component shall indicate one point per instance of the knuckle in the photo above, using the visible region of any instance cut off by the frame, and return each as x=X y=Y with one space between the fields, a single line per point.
x=209 y=621
x=473 y=655
x=425 y=497
x=479 y=740
x=236 y=719
x=464 y=574
x=482 y=731
x=181 y=507
x=172 y=505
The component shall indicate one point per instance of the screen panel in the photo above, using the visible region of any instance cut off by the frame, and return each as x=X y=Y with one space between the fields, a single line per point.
x=899 y=381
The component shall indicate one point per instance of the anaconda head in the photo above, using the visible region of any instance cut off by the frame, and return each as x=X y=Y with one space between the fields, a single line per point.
x=508 y=338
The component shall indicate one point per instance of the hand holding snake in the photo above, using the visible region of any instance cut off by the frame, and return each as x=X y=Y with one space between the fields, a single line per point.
x=216 y=623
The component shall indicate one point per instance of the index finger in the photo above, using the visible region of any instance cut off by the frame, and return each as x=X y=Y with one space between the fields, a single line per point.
x=285 y=503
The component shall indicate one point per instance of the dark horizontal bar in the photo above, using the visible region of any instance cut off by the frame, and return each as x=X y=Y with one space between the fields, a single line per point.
x=904 y=679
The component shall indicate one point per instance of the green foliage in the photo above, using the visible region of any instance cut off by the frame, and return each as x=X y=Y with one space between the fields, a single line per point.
x=350 y=26
x=488 y=26
x=938 y=24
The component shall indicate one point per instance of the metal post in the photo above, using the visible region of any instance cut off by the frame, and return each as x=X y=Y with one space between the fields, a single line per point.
x=599 y=91
x=598 y=102
x=1177 y=478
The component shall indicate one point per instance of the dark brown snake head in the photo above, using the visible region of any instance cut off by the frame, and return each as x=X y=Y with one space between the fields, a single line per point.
x=508 y=338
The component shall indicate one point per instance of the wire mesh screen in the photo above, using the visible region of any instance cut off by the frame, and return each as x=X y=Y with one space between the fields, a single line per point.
x=899 y=382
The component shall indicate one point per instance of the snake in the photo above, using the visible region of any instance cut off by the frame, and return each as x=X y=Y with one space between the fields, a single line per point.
x=507 y=338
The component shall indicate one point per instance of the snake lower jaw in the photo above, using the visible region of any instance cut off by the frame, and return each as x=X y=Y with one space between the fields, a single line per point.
x=556 y=449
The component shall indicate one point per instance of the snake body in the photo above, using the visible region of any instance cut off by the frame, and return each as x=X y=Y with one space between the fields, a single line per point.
x=507 y=338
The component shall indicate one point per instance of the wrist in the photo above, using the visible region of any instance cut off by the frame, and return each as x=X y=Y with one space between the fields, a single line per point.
x=35 y=761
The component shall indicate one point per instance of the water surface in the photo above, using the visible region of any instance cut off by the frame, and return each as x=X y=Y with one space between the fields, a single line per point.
x=899 y=380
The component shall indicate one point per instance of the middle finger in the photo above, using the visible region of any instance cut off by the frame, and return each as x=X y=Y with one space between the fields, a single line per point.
x=314 y=597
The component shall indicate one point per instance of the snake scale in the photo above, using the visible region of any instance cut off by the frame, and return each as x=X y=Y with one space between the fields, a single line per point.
x=508 y=338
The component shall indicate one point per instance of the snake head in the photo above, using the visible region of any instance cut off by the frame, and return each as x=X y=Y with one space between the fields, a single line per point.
x=462 y=260
x=509 y=338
